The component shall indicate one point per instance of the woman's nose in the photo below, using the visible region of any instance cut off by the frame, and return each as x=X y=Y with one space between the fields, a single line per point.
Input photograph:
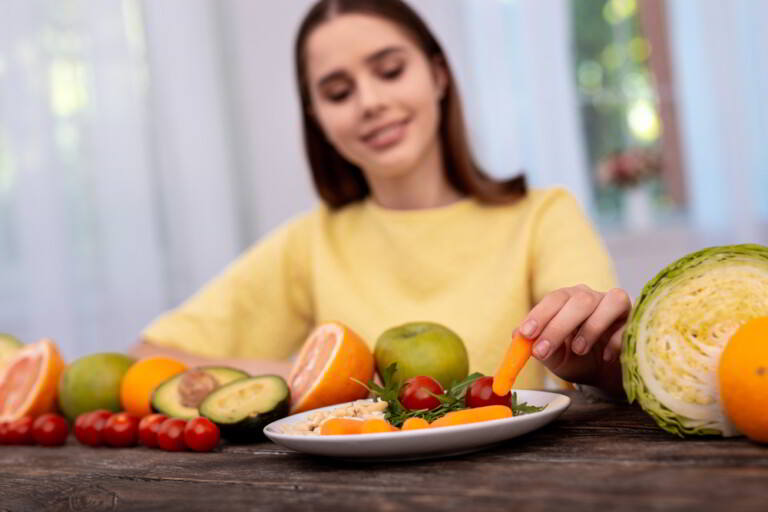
x=370 y=98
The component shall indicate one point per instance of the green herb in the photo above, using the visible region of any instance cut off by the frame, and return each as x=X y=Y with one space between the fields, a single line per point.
x=518 y=409
x=452 y=400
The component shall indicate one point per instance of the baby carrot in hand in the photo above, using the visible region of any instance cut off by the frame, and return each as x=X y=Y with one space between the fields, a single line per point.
x=517 y=355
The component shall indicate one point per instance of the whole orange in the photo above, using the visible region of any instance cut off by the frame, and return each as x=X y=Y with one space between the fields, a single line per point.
x=142 y=378
x=743 y=376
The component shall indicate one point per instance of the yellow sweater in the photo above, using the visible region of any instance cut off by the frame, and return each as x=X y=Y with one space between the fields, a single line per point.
x=475 y=268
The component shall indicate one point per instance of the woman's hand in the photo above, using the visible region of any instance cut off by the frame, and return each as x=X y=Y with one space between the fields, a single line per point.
x=578 y=334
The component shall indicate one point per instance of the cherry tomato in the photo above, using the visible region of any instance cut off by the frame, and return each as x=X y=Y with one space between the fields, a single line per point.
x=148 y=427
x=121 y=430
x=170 y=437
x=3 y=432
x=89 y=427
x=50 y=430
x=480 y=393
x=20 y=431
x=201 y=435
x=415 y=393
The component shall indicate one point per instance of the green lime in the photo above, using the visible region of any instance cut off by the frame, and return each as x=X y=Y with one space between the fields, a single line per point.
x=93 y=382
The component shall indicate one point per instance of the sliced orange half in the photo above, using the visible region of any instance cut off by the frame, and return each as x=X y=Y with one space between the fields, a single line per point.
x=29 y=382
x=323 y=374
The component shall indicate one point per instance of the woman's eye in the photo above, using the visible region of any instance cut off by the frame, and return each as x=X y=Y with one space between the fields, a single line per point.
x=338 y=96
x=392 y=72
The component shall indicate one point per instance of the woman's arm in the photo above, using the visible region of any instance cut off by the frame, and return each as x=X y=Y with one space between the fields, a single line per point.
x=252 y=366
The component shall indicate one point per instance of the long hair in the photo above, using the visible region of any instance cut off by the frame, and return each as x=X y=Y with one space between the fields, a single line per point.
x=340 y=182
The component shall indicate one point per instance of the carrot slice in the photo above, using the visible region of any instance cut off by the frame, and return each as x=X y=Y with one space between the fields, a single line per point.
x=517 y=355
x=373 y=426
x=415 y=424
x=341 y=426
x=476 y=415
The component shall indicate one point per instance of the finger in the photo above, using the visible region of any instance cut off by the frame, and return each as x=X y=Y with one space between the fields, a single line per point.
x=543 y=312
x=578 y=308
x=613 y=347
x=613 y=306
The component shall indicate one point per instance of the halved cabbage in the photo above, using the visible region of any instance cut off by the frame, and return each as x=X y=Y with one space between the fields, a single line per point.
x=679 y=327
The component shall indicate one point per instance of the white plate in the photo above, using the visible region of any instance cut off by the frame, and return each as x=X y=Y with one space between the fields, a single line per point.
x=417 y=444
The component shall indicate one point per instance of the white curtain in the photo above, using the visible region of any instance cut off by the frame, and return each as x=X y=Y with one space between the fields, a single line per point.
x=520 y=92
x=116 y=179
x=720 y=52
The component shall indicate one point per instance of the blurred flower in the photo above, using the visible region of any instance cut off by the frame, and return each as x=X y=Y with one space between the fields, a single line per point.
x=629 y=167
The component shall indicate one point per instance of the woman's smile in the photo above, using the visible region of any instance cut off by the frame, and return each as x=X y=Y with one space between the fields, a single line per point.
x=386 y=135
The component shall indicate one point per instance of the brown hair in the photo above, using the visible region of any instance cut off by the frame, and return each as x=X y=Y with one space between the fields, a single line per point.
x=340 y=182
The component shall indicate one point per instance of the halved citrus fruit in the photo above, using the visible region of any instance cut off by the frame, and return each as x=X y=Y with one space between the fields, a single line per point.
x=142 y=378
x=323 y=374
x=29 y=382
x=9 y=345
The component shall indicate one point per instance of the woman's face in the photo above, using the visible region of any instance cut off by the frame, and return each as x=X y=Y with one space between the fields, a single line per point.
x=374 y=93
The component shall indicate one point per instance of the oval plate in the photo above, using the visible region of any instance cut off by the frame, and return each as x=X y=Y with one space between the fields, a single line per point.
x=418 y=444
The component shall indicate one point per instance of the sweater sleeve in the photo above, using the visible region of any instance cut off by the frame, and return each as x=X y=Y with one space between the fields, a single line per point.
x=260 y=306
x=566 y=250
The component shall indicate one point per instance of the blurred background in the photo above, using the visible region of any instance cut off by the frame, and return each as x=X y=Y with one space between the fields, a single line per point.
x=145 y=144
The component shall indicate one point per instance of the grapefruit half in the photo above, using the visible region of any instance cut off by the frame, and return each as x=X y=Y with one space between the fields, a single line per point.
x=28 y=383
x=322 y=375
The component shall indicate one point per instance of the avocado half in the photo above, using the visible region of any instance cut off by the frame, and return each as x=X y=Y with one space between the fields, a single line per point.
x=243 y=408
x=181 y=395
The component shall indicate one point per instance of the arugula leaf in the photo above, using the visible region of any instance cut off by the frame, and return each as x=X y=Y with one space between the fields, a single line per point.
x=519 y=409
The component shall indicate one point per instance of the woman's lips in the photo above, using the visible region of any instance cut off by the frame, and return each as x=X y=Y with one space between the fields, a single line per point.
x=386 y=136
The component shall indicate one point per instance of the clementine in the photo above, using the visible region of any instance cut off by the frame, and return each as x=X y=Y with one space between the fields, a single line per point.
x=142 y=378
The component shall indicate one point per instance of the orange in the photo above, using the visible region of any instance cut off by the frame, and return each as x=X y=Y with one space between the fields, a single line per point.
x=323 y=374
x=29 y=381
x=743 y=376
x=142 y=378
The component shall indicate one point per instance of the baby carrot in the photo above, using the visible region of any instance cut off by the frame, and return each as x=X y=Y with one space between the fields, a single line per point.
x=415 y=424
x=476 y=415
x=339 y=426
x=517 y=355
x=373 y=426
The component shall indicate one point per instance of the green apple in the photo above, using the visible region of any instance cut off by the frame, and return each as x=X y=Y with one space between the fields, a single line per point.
x=423 y=348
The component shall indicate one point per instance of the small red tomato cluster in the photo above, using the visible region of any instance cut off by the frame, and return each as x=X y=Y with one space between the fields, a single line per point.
x=418 y=393
x=101 y=427
x=46 y=430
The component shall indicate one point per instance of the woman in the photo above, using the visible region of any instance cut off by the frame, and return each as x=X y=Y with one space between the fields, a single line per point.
x=409 y=229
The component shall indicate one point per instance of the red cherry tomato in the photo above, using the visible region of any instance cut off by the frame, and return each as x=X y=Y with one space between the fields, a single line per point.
x=50 y=430
x=89 y=427
x=480 y=394
x=3 y=432
x=201 y=435
x=20 y=431
x=121 y=430
x=415 y=393
x=148 y=427
x=170 y=437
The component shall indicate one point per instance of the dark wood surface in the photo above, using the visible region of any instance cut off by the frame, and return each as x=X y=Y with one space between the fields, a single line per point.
x=597 y=456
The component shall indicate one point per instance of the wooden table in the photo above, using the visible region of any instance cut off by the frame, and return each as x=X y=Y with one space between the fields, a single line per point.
x=597 y=456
